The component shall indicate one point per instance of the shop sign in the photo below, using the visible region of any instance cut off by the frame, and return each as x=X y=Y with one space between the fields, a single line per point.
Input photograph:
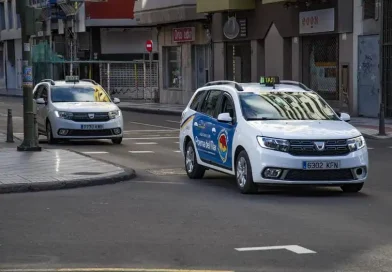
x=317 y=21
x=183 y=34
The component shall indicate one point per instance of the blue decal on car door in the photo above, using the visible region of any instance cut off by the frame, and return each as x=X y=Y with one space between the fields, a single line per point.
x=203 y=133
x=224 y=139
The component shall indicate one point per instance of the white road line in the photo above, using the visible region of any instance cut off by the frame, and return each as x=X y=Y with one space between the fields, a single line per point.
x=151 y=138
x=176 y=142
x=370 y=148
x=140 y=152
x=149 y=125
x=146 y=143
x=293 y=248
x=95 y=152
x=171 y=121
x=177 y=151
x=159 y=182
x=151 y=130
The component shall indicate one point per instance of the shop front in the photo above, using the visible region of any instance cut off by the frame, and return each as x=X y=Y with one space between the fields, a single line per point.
x=186 y=61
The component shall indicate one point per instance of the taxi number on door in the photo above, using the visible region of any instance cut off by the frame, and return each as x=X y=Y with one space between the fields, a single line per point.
x=320 y=165
x=92 y=127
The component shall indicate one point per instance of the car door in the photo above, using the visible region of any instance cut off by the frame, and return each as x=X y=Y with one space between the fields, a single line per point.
x=225 y=132
x=42 y=109
x=204 y=130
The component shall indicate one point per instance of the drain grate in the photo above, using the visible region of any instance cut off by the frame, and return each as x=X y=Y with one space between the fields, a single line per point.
x=167 y=172
x=87 y=173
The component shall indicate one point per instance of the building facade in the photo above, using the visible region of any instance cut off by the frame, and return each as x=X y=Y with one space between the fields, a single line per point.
x=183 y=43
x=307 y=41
x=10 y=49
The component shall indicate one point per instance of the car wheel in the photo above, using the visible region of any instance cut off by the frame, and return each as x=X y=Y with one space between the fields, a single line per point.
x=243 y=174
x=192 y=168
x=49 y=134
x=352 y=188
x=117 y=140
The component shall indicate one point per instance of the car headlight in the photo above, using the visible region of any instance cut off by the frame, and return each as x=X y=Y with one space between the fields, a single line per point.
x=64 y=114
x=273 y=143
x=114 y=114
x=356 y=143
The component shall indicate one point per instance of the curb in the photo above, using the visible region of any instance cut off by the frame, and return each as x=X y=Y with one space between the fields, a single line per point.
x=154 y=111
x=126 y=175
x=374 y=137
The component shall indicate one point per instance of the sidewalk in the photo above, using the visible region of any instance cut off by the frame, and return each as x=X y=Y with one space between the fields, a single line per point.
x=53 y=169
x=367 y=126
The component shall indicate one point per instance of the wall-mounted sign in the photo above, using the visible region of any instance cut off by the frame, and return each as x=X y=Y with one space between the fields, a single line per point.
x=317 y=21
x=183 y=34
x=243 y=28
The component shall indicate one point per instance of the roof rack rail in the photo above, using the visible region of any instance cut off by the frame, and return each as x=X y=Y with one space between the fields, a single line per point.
x=90 y=80
x=225 y=82
x=296 y=83
x=51 y=81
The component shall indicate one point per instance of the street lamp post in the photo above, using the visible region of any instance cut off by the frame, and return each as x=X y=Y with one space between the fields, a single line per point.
x=30 y=140
x=381 y=129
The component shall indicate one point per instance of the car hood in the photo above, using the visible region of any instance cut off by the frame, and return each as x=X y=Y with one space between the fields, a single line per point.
x=85 y=106
x=316 y=130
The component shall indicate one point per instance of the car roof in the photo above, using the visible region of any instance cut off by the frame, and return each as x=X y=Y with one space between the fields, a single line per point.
x=80 y=83
x=257 y=87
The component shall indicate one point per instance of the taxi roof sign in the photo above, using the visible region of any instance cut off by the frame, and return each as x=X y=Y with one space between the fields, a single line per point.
x=269 y=81
x=72 y=79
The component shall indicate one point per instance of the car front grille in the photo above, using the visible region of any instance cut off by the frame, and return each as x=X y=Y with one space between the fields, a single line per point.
x=319 y=175
x=91 y=133
x=85 y=117
x=308 y=148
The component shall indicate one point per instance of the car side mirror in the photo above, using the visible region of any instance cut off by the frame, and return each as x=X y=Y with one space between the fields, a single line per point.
x=345 y=117
x=225 y=117
x=40 y=101
x=116 y=100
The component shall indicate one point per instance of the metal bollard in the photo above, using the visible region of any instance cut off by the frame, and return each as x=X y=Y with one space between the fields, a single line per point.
x=10 y=129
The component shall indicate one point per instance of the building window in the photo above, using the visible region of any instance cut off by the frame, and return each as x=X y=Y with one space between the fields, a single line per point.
x=172 y=63
x=369 y=9
x=200 y=65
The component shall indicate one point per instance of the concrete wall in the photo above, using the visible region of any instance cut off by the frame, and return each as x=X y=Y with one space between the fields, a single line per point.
x=274 y=48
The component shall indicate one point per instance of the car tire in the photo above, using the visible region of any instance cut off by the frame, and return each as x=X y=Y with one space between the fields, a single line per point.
x=49 y=134
x=117 y=140
x=193 y=169
x=352 y=188
x=243 y=174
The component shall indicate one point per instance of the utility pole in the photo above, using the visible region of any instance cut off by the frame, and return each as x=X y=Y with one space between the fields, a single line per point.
x=30 y=141
x=381 y=129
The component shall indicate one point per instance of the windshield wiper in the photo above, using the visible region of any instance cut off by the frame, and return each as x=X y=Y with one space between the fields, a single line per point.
x=263 y=118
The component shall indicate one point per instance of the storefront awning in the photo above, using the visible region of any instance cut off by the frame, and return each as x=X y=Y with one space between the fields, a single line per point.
x=211 y=6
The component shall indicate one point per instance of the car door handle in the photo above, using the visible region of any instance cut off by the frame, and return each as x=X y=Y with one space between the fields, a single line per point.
x=213 y=130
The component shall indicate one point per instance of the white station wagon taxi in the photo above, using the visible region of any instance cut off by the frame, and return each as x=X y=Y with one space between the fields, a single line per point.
x=77 y=109
x=272 y=132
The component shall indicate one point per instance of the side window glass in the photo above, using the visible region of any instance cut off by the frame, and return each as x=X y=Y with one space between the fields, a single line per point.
x=228 y=106
x=196 y=101
x=37 y=93
x=210 y=103
x=44 y=94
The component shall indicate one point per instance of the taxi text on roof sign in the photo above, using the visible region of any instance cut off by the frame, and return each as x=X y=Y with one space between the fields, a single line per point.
x=269 y=81
x=72 y=78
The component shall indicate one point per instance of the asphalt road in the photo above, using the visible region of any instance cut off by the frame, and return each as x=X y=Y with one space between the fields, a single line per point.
x=164 y=220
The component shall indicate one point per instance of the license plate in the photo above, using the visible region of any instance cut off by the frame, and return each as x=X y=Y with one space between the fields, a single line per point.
x=320 y=165
x=90 y=127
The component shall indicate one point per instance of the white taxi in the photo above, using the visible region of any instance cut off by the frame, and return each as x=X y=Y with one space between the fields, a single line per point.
x=77 y=109
x=273 y=132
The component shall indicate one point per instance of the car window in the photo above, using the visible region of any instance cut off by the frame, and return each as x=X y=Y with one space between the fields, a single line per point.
x=196 y=101
x=44 y=93
x=38 y=91
x=210 y=103
x=227 y=106
x=76 y=93
x=285 y=106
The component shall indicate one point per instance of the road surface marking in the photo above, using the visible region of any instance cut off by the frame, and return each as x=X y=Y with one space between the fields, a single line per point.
x=108 y=270
x=141 y=151
x=171 y=121
x=177 y=151
x=95 y=152
x=151 y=130
x=151 y=138
x=176 y=142
x=293 y=248
x=146 y=143
x=370 y=148
x=150 y=125
x=158 y=182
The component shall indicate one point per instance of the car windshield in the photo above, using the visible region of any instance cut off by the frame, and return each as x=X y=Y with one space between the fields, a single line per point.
x=76 y=93
x=285 y=106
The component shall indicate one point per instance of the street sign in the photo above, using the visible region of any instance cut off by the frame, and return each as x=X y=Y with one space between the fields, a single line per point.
x=149 y=44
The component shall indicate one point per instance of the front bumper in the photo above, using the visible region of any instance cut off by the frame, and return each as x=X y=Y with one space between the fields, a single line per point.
x=292 y=172
x=108 y=130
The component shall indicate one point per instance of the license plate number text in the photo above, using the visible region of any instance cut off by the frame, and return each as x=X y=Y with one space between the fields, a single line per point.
x=320 y=165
